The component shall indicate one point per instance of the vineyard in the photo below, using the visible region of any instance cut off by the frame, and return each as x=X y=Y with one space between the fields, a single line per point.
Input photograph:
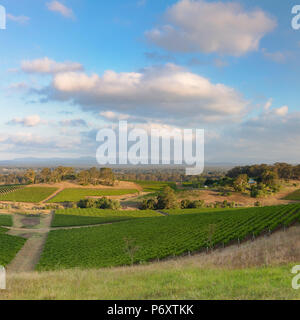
x=10 y=188
x=5 y=220
x=293 y=196
x=76 y=194
x=9 y=245
x=199 y=210
x=32 y=194
x=155 y=186
x=160 y=237
x=83 y=217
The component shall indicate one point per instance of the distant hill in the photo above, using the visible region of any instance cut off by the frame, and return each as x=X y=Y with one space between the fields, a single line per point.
x=89 y=162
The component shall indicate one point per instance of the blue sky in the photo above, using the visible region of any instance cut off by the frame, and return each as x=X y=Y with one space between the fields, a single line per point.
x=70 y=67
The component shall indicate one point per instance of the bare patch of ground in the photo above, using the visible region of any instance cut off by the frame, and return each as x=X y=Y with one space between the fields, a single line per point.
x=211 y=196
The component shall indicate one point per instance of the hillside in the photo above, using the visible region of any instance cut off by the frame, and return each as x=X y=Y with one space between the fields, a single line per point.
x=255 y=270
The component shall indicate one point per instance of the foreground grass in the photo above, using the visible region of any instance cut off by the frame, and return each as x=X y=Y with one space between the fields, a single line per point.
x=32 y=194
x=76 y=194
x=167 y=281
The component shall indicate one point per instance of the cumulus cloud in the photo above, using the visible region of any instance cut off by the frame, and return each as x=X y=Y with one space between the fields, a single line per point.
x=281 y=111
x=57 y=6
x=48 y=66
x=19 y=19
x=200 y=26
x=30 y=121
x=169 y=92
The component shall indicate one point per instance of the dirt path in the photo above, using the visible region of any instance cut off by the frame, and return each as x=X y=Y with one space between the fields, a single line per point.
x=37 y=231
x=29 y=255
x=52 y=195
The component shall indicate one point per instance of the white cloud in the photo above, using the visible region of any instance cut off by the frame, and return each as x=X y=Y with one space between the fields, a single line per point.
x=200 y=26
x=279 y=57
x=19 y=19
x=112 y=116
x=48 y=66
x=57 y=6
x=168 y=92
x=268 y=104
x=18 y=86
x=282 y=111
x=30 y=121
x=73 y=123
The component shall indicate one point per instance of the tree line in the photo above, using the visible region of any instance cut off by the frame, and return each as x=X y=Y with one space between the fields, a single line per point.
x=94 y=176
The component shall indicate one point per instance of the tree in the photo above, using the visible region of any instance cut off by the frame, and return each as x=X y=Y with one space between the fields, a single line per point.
x=45 y=175
x=30 y=175
x=83 y=177
x=269 y=178
x=107 y=176
x=240 y=183
x=94 y=175
x=167 y=199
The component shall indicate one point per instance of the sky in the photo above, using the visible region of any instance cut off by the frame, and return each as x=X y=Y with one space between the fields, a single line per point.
x=71 y=67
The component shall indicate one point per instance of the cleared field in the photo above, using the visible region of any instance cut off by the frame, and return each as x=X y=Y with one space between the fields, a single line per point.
x=5 y=220
x=293 y=196
x=76 y=194
x=159 y=237
x=83 y=217
x=32 y=194
x=155 y=186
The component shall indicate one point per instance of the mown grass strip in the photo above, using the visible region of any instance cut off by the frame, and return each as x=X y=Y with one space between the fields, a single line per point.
x=83 y=217
x=76 y=194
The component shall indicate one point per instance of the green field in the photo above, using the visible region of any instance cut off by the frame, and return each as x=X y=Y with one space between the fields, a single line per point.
x=76 y=194
x=5 y=220
x=293 y=196
x=9 y=245
x=199 y=210
x=83 y=217
x=30 y=194
x=159 y=237
x=155 y=186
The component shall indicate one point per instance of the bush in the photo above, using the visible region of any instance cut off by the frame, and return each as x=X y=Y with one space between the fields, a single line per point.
x=257 y=204
x=103 y=203
x=148 y=204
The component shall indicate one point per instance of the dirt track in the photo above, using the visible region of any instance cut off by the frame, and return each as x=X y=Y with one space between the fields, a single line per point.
x=29 y=255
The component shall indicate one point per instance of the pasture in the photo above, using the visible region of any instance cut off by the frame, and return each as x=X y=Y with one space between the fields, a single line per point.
x=146 y=239
x=76 y=194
